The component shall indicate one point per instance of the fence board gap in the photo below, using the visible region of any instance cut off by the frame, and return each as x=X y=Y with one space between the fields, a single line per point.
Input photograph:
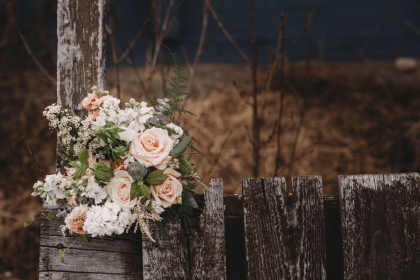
x=380 y=218
x=208 y=251
x=284 y=235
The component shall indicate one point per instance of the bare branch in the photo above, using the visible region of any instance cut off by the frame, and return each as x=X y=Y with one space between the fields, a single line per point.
x=110 y=31
x=231 y=40
x=28 y=49
x=200 y=47
x=131 y=45
x=33 y=158
x=255 y=115
x=278 y=159
x=187 y=60
x=160 y=37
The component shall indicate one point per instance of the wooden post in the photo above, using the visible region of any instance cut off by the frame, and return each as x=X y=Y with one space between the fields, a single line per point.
x=284 y=235
x=80 y=50
x=80 y=65
x=380 y=218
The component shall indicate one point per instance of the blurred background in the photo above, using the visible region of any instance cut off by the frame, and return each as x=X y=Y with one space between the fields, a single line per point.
x=281 y=88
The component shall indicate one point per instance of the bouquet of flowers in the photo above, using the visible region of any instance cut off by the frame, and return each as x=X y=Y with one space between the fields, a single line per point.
x=122 y=167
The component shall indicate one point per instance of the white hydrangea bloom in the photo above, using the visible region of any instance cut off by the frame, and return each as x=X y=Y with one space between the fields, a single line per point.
x=94 y=190
x=52 y=189
x=106 y=219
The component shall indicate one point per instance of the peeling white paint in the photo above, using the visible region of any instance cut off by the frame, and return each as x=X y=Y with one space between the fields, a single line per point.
x=101 y=46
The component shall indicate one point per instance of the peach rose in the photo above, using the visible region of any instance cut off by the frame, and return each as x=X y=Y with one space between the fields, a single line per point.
x=92 y=116
x=75 y=221
x=100 y=101
x=169 y=192
x=151 y=147
x=87 y=102
x=119 y=189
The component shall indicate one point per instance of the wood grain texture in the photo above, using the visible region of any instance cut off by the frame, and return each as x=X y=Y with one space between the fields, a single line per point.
x=380 y=217
x=207 y=247
x=90 y=261
x=166 y=260
x=284 y=235
x=59 y=275
x=80 y=50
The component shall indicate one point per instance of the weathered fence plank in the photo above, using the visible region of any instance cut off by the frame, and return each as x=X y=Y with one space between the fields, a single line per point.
x=166 y=259
x=199 y=257
x=207 y=248
x=284 y=235
x=380 y=217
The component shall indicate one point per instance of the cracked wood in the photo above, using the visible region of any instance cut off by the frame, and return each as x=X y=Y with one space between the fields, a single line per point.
x=284 y=235
x=380 y=218
x=208 y=253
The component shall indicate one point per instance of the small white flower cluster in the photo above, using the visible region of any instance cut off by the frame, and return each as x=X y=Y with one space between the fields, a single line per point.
x=51 y=190
x=178 y=130
x=94 y=190
x=107 y=219
x=75 y=133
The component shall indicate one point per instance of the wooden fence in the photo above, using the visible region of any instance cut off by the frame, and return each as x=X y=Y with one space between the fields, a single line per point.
x=372 y=231
x=265 y=234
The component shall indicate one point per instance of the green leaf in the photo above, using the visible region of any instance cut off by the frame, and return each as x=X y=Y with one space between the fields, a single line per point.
x=84 y=164
x=185 y=166
x=120 y=151
x=61 y=255
x=181 y=146
x=139 y=189
x=103 y=172
x=84 y=157
x=84 y=239
x=32 y=219
x=25 y=224
x=156 y=177
x=67 y=194
x=50 y=216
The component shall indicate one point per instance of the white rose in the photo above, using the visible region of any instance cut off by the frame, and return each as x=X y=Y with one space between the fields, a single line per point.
x=119 y=189
x=127 y=135
x=151 y=147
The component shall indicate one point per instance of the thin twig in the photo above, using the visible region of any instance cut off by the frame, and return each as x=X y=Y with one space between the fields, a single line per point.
x=307 y=27
x=412 y=26
x=130 y=47
x=220 y=152
x=187 y=60
x=241 y=93
x=213 y=34
x=292 y=155
x=308 y=47
x=255 y=115
x=231 y=40
x=279 y=159
x=33 y=158
x=134 y=41
x=160 y=36
x=363 y=50
x=200 y=46
x=28 y=49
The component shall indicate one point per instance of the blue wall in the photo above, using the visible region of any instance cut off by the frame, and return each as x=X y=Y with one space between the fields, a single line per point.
x=343 y=27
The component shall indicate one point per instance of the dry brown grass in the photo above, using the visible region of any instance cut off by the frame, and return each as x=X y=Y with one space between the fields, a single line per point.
x=359 y=118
